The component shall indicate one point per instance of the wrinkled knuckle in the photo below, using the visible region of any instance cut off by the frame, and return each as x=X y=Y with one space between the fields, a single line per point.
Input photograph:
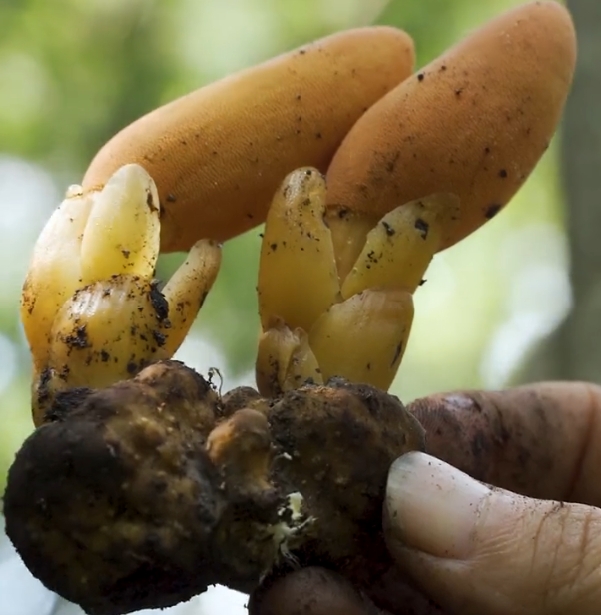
x=568 y=556
x=584 y=590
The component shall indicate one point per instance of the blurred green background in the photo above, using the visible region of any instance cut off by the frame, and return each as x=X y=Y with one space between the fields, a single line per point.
x=73 y=72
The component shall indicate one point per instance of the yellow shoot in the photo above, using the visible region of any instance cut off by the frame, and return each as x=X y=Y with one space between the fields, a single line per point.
x=92 y=311
x=316 y=325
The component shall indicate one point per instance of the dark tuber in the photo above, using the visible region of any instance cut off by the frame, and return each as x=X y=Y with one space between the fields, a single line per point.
x=143 y=494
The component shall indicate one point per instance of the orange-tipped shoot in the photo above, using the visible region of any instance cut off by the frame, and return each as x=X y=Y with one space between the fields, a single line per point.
x=218 y=154
x=474 y=122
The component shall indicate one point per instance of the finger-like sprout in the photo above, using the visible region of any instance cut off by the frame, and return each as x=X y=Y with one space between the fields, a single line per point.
x=297 y=279
x=318 y=325
x=399 y=248
x=97 y=337
x=92 y=312
x=122 y=233
x=364 y=337
x=188 y=288
x=55 y=271
x=285 y=360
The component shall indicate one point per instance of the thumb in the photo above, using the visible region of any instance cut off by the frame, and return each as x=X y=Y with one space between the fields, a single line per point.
x=479 y=549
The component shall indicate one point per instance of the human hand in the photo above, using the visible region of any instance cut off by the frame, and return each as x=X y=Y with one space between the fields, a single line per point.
x=529 y=545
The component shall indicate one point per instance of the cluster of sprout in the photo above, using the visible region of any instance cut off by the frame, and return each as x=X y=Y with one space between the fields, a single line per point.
x=348 y=235
x=91 y=308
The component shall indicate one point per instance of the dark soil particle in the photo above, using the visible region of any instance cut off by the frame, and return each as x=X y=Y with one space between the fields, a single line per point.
x=159 y=337
x=397 y=353
x=159 y=303
x=423 y=227
x=150 y=202
x=492 y=211
x=79 y=339
x=389 y=230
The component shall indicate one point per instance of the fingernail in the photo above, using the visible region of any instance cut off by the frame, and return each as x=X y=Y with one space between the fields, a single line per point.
x=431 y=506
